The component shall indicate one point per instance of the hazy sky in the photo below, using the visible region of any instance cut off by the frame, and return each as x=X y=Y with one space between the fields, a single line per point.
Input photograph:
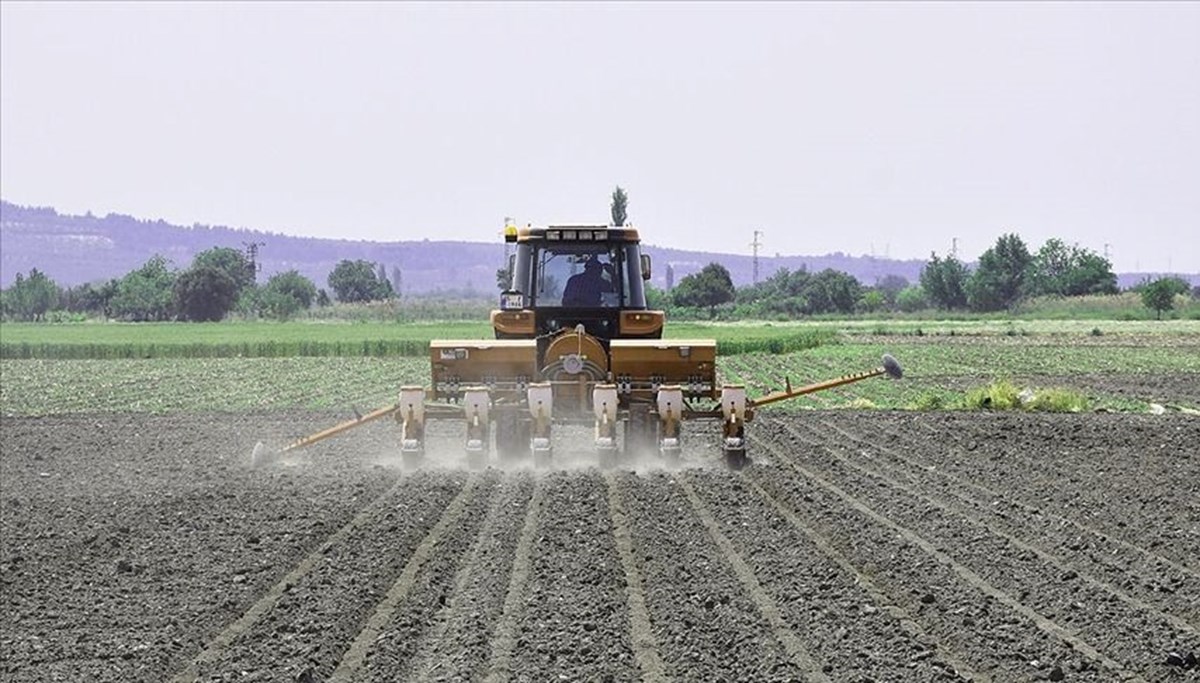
x=882 y=127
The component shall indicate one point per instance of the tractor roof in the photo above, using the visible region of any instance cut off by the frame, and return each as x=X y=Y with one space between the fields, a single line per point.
x=570 y=233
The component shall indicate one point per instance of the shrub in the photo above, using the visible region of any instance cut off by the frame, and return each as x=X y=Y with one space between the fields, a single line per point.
x=1004 y=395
x=929 y=400
x=999 y=395
x=1057 y=401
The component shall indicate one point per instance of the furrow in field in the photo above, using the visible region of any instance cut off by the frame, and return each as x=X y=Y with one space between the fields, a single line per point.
x=504 y=638
x=454 y=647
x=645 y=649
x=127 y=567
x=996 y=631
x=705 y=626
x=1126 y=629
x=217 y=646
x=387 y=642
x=306 y=630
x=1130 y=573
x=1133 y=478
x=574 y=623
x=859 y=615
x=767 y=606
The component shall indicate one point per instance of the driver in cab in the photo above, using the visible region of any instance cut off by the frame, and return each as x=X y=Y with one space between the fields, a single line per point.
x=587 y=289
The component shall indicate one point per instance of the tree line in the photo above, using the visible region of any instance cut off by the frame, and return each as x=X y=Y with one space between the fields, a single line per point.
x=219 y=281
x=1006 y=274
x=222 y=280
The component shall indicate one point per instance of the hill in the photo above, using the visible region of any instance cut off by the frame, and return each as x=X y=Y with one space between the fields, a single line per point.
x=76 y=249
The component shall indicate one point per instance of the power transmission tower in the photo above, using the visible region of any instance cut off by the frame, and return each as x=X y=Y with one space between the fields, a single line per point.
x=252 y=257
x=756 y=244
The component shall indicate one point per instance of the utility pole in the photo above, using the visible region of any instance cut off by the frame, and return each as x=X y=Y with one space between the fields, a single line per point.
x=1106 y=257
x=954 y=247
x=756 y=244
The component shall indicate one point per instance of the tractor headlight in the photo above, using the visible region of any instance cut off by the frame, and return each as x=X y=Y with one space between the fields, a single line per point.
x=510 y=301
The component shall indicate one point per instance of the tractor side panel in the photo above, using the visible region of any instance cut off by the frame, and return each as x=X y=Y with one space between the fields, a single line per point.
x=505 y=366
x=640 y=366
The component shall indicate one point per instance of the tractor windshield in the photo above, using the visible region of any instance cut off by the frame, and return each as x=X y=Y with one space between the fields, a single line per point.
x=580 y=275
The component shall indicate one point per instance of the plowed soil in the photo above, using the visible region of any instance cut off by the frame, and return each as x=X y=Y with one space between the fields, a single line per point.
x=858 y=546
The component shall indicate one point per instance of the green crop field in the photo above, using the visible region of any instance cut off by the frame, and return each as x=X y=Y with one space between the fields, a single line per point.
x=941 y=359
x=228 y=339
x=108 y=340
x=96 y=340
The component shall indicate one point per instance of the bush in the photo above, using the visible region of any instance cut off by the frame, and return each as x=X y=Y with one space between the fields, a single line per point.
x=1004 y=395
x=1057 y=401
x=911 y=299
x=999 y=395
x=929 y=400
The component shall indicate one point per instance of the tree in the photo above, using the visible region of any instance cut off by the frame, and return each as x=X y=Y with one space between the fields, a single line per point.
x=710 y=287
x=890 y=287
x=204 y=293
x=286 y=294
x=832 y=291
x=1159 y=295
x=90 y=298
x=230 y=261
x=784 y=293
x=944 y=282
x=503 y=279
x=354 y=281
x=911 y=299
x=620 y=201
x=1070 y=271
x=872 y=301
x=146 y=293
x=999 y=280
x=656 y=299
x=293 y=285
x=30 y=298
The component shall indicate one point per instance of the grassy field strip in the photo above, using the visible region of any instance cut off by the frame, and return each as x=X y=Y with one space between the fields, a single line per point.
x=233 y=332
x=376 y=339
x=966 y=328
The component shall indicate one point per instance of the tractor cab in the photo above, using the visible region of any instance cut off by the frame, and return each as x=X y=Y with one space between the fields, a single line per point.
x=566 y=276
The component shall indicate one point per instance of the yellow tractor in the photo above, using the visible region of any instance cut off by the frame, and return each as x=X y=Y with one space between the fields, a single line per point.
x=576 y=343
